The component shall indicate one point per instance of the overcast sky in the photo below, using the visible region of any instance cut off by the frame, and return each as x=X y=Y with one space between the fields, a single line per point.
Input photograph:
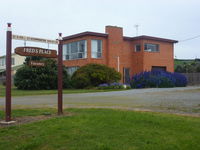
x=173 y=19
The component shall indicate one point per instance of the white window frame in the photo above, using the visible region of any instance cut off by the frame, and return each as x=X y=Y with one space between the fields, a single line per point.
x=94 y=50
x=67 y=51
x=150 y=50
x=136 y=46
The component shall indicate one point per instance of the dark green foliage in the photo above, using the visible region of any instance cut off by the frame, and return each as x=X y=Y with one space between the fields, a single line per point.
x=36 y=78
x=94 y=74
x=179 y=69
x=187 y=66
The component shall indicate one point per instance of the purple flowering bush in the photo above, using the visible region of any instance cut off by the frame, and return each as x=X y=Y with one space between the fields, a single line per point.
x=113 y=85
x=160 y=79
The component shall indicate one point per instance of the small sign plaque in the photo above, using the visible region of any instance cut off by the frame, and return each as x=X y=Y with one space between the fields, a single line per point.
x=36 y=51
x=36 y=63
x=33 y=39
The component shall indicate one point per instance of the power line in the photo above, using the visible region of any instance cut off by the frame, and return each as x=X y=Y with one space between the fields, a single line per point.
x=195 y=37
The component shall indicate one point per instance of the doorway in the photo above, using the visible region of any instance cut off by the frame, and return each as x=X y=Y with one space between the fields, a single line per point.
x=126 y=75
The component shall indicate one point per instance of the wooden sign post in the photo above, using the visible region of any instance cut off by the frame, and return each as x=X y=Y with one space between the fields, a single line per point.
x=8 y=72
x=60 y=76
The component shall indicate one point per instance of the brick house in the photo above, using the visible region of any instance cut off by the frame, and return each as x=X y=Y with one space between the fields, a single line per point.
x=128 y=55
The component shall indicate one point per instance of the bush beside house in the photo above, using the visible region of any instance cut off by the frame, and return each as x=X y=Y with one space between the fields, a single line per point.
x=91 y=75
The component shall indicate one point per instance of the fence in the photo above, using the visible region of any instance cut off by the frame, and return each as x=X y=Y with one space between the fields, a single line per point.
x=3 y=80
x=193 y=78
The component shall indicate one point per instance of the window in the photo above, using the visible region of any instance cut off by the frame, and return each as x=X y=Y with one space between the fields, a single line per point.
x=151 y=47
x=137 y=47
x=13 y=61
x=2 y=61
x=75 y=50
x=96 y=48
x=71 y=70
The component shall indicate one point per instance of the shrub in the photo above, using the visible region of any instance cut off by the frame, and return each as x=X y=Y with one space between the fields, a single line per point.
x=92 y=75
x=36 y=78
x=114 y=85
x=159 y=79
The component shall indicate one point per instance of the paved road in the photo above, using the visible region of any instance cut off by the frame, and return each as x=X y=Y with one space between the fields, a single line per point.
x=186 y=100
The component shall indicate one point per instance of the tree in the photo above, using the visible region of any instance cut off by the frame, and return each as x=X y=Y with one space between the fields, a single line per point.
x=179 y=69
x=35 y=78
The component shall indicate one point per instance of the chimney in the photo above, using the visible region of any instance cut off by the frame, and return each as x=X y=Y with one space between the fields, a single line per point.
x=115 y=33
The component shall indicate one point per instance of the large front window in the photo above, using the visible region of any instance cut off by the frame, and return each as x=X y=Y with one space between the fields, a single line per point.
x=75 y=50
x=96 y=48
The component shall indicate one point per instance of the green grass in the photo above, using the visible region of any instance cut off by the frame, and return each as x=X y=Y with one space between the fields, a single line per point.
x=16 y=92
x=103 y=129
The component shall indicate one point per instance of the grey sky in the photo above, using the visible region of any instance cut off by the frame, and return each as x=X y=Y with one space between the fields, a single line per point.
x=174 y=19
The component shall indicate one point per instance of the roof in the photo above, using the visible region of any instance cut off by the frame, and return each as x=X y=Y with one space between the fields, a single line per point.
x=144 y=37
x=13 y=68
x=5 y=55
x=85 y=34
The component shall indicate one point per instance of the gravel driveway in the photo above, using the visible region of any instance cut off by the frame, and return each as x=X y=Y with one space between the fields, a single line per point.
x=173 y=100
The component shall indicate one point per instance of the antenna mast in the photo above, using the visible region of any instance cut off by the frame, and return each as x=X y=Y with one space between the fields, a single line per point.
x=136 y=27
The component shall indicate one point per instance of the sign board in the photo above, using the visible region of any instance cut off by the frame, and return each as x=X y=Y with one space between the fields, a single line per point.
x=36 y=63
x=36 y=51
x=33 y=39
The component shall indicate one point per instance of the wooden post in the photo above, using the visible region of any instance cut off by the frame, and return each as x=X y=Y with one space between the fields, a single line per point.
x=60 y=75
x=8 y=73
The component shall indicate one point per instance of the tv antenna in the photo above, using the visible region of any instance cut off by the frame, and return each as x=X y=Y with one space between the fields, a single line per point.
x=136 y=28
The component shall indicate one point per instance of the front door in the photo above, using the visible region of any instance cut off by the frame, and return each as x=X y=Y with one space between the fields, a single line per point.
x=126 y=75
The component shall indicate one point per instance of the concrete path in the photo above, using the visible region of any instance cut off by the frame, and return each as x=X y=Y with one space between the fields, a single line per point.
x=181 y=100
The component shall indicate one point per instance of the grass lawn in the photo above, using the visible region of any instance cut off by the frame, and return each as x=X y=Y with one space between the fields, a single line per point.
x=103 y=129
x=16 y=92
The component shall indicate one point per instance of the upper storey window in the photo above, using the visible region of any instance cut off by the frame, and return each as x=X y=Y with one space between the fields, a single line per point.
x=137 y=47
x=75 y=50
x=96 y=48
x=151 y=47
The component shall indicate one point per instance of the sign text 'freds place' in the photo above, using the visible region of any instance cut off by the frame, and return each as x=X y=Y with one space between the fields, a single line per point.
x=36 y=51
